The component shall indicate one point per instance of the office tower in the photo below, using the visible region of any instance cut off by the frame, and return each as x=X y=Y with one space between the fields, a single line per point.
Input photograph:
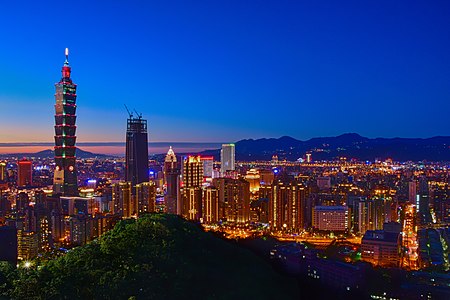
x=2 y=171
x=381 y=248
x=210 y=211
x=145 y=197
x=171 y=173
x=423 y=211
x=254 y=179
x=227 y=158
x=440 y=202
x=65 y=176
x=286 y=206
x=208 y=166
x=80 y=230
x=24 y=173
x=192 y=203
x=121 y=202
x=27 y=245
x=191 y=183
x=412 y=191
x=192 y=171
x=136 y=152
x=331 y=218
x=234 y=200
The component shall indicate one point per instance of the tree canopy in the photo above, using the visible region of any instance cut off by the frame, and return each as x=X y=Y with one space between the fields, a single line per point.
x=154 y=257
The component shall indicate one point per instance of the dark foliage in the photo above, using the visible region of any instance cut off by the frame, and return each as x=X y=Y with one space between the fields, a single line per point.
x=154 y=257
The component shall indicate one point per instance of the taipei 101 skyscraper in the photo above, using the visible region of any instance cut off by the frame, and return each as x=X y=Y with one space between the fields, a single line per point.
x=65 y=177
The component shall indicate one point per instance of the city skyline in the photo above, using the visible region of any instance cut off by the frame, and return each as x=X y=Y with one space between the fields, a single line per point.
x=322 y=72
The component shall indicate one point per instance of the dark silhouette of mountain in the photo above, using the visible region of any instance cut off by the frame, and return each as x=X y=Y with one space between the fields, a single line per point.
x=350 y=145
x=50 y=153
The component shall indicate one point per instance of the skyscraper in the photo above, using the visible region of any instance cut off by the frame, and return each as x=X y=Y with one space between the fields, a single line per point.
x=25 y=173
x=136 y=151
x=121 y=202
x=191 y=193
x=2 y=171
x=65 y=176
x=171 y=172
x=145 y=197
x=227 y=158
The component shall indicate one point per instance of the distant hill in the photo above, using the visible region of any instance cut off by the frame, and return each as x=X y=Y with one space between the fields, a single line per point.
x=50 y=153
x=350 y=145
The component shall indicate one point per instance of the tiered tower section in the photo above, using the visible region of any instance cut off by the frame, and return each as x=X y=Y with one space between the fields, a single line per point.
x=65 y=177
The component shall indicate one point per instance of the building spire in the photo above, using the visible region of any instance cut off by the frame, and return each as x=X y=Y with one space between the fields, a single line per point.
x=66 y=52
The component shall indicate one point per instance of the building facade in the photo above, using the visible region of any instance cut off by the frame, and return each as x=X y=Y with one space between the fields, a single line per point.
x=136 y=151
x=65 y=174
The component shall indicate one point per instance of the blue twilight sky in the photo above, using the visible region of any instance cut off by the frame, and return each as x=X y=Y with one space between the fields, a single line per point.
x=226 y=70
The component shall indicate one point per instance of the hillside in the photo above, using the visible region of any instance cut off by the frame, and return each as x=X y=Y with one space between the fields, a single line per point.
x=350 y=145
x=155 y=257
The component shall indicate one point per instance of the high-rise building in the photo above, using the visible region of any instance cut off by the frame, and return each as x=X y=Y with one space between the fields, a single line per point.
x=234 y=200
x=121 y=202
x=65 y=176
x=412 y=191
x=381 y=248
x=192 y=172
x=27 y=245
x=208 y=166
x=171 y=173
x=145 y=197
x=227 y=158
x=2 y=171
x=331 y=218
x=24 y=173
x=190 y=199
x=210 y=211
x=286 y=205
x=136 y=152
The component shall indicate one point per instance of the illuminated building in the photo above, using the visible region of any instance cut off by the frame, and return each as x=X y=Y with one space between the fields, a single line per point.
x=24 y=173
x=65 y=174
x=208 y=166
x=192 y=172
x=330 y=218
x=440 y=202
x=80 y=230
x=308 y=157
x=27 y=245
x=2 y=171
x=136 y=151
x=324 y=183
x=381 y=248
x=412 y=191
x=227 y=158
x=210 y=211
x=192 y=203
x=145 y=197
x=234 y=200
x=267 y=177
x=423 y=202
x=22 y=201
x=121 y=202
x=286 y=206
x=171 y=173
x=254 y=179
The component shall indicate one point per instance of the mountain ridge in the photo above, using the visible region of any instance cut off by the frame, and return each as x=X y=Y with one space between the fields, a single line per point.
x=350 y=145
